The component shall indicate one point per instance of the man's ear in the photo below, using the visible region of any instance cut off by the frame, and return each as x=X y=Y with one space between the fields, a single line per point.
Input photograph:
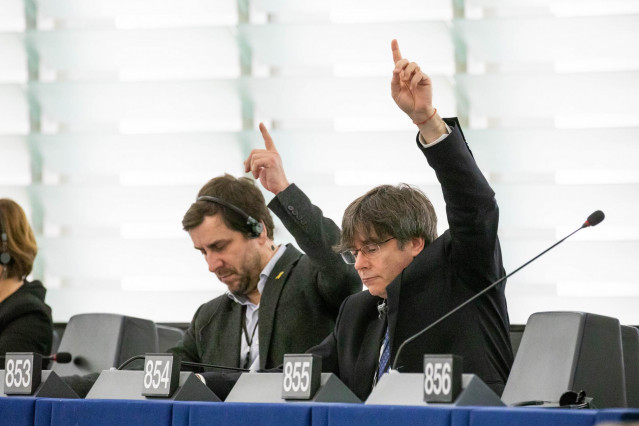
x=263 y=239
x=416 y=245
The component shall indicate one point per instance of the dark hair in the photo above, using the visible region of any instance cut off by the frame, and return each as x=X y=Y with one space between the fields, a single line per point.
x=21 y=243
x=403 y=212
x=242 y=193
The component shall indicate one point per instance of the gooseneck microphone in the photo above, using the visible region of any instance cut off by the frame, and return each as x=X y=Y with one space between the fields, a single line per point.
x=222 y=367
x=60 y=357
x=594 y=219
x=187 y=363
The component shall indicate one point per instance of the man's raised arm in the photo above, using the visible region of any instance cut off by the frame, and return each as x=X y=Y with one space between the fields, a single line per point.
x=315 y=234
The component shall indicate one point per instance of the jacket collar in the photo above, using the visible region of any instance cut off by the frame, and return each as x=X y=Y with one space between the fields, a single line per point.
x=271 y=296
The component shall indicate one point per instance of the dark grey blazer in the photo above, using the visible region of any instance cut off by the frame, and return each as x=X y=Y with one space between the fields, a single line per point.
x=300 y=301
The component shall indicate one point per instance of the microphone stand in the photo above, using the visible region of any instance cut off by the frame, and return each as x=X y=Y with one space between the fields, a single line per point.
x=593 y=220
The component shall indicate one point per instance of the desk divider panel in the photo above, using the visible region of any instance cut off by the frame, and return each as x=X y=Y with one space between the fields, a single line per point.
x=43 y=411
x=127 y=384
x=51 y=386
x=408 y=389
x=267 y=387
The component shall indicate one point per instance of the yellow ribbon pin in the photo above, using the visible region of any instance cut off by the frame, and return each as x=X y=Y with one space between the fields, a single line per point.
x=279 y=275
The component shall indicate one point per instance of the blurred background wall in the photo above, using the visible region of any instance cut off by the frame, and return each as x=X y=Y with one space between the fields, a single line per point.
x=114 y=113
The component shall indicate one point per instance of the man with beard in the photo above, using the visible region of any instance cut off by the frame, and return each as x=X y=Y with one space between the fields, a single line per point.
x=279 y=300
x=413 y=276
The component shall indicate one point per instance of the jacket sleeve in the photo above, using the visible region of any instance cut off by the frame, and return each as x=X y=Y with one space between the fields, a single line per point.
x=471 y=209
x=328 y=349
x=316 y=235
x=187 y=348
x=30 y=332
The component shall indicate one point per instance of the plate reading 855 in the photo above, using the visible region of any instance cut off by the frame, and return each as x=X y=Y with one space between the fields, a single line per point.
x=302 y=374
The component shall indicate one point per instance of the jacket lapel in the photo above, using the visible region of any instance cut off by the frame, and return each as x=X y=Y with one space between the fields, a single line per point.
x=271 y=296
x=366 y=364
x=393 y=295
x=223 y=336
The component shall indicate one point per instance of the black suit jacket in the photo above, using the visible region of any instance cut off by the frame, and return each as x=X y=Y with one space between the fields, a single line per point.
x=450 y=270
x=300 y=301
x=25 y=321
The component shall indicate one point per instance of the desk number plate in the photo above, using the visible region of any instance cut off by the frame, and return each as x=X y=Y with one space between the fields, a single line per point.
x=161 y=375
x=442 y=378
x=22 y=373
x=302 y=374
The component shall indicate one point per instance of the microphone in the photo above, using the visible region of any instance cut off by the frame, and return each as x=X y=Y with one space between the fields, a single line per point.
x=594 y=219
x=60 y=357
x=186 y=363
x=222 y=367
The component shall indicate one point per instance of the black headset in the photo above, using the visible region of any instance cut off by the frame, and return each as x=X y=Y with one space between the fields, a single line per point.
x=254 y=227
x=5 y=257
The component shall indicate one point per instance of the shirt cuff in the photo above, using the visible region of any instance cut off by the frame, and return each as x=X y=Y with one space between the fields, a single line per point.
x=436 y=141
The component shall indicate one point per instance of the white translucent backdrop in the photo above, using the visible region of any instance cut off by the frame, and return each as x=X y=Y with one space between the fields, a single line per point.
x=114 y=113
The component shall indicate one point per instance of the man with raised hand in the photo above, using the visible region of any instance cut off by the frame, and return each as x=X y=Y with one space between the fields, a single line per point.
x=279 y=300
x=415 y=277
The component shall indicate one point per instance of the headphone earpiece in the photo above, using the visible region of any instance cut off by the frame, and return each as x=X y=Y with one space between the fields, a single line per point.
x=5 y=257
x=254 y=227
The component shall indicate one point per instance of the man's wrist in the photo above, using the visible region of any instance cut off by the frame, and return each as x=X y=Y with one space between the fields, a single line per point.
x=433 y=129
x=282 y=188
x=441 y=138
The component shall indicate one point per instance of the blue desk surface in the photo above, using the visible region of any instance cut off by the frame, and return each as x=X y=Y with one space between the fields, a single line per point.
x=17 y=411
x=72 y=412
x=46 y=412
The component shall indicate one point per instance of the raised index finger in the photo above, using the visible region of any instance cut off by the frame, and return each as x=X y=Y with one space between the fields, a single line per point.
x=268 y=141
x=397 y=55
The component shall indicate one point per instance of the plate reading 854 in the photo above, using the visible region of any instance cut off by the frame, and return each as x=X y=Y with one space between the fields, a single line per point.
x=161 y=375
x=302 y=374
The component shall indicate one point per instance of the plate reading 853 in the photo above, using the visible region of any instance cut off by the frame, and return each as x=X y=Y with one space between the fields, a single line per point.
x=22 y=373
x=442 y=378
x=302 y=374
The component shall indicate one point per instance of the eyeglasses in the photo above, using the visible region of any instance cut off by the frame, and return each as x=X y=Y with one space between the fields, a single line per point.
x=369 y=250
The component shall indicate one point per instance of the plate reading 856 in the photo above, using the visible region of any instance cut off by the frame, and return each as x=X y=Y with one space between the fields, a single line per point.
x=442 y=378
